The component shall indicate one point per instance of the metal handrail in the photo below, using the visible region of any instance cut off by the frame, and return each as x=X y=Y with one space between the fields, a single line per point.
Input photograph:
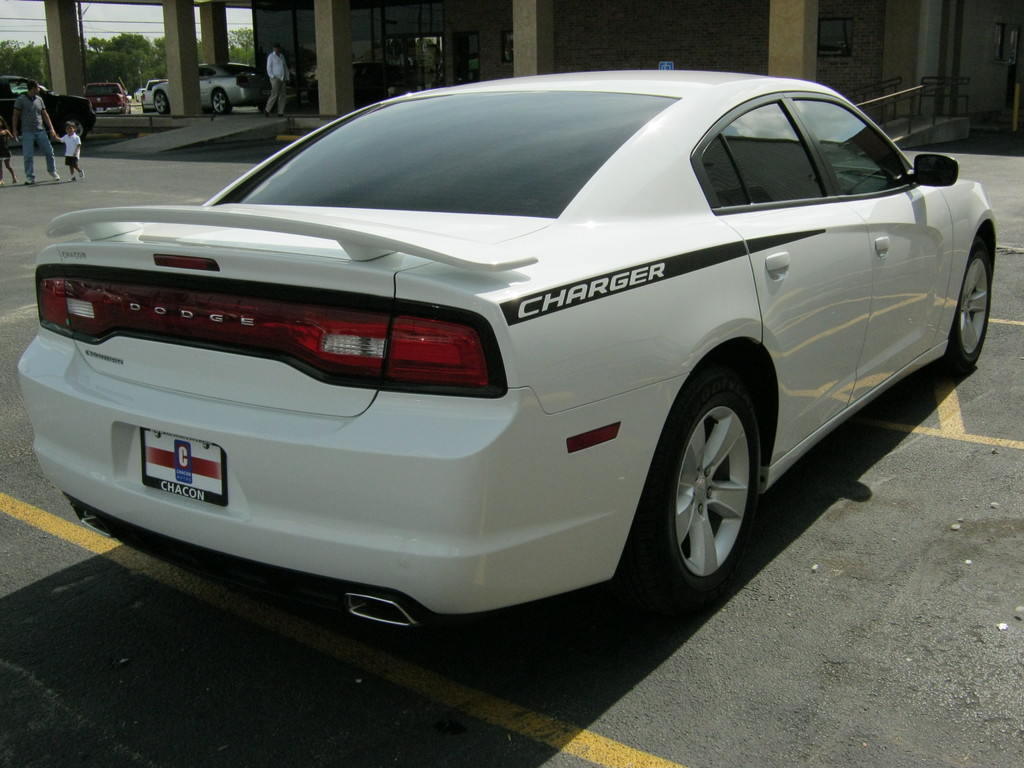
x=909 y=103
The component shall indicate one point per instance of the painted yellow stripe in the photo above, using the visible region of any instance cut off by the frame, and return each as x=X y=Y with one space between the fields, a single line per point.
x=950 y=417
x=490 y=709
x=1006 y=322
x=951 y=422
x=56 y=526
x=996 y=442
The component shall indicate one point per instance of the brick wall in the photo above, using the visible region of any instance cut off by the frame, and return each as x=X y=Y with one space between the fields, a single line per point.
x=612 y=34
x=864 y=66
x=694 y=34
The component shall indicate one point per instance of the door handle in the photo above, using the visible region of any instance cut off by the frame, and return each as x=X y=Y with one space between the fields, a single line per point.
x=882 y=247
x=777 y=265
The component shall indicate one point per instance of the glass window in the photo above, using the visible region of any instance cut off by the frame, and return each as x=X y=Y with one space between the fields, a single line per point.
x=771 y=160
x=722 y=173
x=860 y=158
x=835 y=37
x=519 y=154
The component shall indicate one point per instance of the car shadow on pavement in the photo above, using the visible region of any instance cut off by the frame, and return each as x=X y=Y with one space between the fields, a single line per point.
x=100 y=662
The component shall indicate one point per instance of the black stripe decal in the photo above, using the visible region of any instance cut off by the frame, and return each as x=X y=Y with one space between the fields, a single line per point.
x=601 y=286
x=774 y=241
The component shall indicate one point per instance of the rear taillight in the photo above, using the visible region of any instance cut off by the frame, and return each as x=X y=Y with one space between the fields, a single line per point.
x=242 y=81
x=372 y=346
x=435 y=352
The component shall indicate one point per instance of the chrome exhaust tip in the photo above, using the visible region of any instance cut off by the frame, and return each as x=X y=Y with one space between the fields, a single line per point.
x=91 y=521
x=378 y=609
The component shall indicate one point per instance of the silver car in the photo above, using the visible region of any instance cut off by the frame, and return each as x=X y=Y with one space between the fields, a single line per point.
x=222 y=87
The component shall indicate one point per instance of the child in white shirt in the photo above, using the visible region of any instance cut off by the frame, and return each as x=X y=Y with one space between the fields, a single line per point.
x=72 y=151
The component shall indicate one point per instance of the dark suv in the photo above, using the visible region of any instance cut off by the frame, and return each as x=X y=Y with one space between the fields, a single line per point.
x=62 y=109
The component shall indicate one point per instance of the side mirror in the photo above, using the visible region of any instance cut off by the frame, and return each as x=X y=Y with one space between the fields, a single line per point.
x=936 y=170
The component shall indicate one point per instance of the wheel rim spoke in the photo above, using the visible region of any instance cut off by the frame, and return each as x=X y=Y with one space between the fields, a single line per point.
x=973 y=307
x=712 y=492
x=728 y=500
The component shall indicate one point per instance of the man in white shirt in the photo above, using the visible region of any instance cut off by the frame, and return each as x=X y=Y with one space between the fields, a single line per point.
x=277 y=69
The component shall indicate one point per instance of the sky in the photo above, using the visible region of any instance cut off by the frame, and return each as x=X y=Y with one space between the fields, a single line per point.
x=24 y=20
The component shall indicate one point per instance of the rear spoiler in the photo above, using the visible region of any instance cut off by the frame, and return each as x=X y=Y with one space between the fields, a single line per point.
x=362 y=241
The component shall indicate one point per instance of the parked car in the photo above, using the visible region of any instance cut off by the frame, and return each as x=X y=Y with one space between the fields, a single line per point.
x=145 y=91
x=222 y=87
x=108 y=97
x=62 y=108
x=409 y=380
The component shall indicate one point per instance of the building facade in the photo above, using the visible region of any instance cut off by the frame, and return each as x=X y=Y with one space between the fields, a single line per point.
x=345 y=53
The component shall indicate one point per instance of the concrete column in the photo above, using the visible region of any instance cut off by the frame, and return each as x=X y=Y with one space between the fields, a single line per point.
x=213 y=29
x=793 y=39
x=182 y=56
x=333 y=22
x=65 y=48
x=533 y=35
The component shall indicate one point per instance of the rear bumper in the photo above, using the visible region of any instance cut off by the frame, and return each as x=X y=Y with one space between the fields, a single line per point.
x=462 y=505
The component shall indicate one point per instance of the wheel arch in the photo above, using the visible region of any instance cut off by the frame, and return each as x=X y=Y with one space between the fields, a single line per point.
x=987 y=232
x=751 y=362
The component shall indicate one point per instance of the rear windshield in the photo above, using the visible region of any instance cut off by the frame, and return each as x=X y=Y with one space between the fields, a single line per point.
x=239 y=69
x=102 y=90
x=521 y=154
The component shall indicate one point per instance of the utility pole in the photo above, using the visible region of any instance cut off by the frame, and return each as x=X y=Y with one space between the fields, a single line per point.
x=81 y=40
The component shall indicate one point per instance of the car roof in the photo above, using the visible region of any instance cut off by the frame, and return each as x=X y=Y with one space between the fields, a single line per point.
x=678 y=84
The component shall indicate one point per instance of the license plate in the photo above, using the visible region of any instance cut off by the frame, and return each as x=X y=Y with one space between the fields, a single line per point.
x=184 y=466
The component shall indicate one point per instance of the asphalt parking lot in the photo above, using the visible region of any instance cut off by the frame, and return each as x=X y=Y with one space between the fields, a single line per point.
x=878 y=619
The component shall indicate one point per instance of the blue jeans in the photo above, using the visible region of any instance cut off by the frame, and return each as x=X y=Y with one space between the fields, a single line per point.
x=29 y=141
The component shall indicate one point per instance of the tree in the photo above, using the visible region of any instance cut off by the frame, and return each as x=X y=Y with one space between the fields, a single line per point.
x=28 y=60
x=130 y=59
x=242 y=46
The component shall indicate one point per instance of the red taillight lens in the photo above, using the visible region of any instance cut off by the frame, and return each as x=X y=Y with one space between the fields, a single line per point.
x=436 y=352
x=53 y=304
x=369 y=345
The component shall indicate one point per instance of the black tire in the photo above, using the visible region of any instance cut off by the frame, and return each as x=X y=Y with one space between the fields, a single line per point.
x=161 y=103
x=220 y=102
x=698 y=505
x=970 y=322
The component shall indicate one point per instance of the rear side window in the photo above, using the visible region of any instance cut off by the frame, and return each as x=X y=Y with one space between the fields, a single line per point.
x=861 y=160
x=519 y=154
x=760 y=158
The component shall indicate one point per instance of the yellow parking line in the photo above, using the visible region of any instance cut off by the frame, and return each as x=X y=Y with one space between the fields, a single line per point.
x=482 y=706
x=951 y=422
x=1006 y=322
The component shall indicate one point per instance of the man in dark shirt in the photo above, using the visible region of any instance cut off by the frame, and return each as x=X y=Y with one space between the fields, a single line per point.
x=32 y=122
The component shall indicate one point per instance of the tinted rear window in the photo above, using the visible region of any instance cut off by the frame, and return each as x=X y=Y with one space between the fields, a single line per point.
x=522 y=154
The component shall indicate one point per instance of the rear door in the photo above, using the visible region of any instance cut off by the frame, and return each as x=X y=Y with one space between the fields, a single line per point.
x=810 y=259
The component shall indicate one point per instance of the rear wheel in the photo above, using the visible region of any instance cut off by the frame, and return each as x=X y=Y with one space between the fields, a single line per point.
x=160 y=102
x=698 y=504
x=220 y=102
x=970 y=323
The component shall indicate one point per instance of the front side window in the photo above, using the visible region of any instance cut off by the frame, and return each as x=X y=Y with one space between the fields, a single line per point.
x=862 y=161
x=759 y=158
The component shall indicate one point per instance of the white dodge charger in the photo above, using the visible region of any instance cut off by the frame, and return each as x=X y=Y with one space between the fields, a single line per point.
x=476 y=346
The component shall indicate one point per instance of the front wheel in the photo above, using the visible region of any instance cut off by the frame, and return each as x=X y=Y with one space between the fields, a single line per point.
x=698 y=503
x=970 y=323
